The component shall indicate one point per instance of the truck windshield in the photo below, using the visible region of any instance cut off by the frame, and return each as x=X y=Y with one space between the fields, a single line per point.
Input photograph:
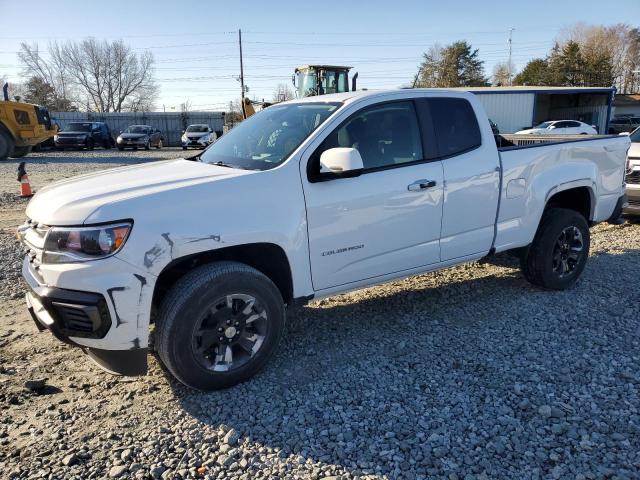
x=77 y=127
x=266 y=139
x=137 y=129
x=635 y=135
x=197 y=128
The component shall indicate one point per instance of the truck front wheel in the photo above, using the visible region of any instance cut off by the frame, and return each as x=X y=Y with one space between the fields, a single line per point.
x=558 y=254
x=219 y=325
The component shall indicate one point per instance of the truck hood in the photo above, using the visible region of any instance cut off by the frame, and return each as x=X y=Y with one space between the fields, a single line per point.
x=72 y=201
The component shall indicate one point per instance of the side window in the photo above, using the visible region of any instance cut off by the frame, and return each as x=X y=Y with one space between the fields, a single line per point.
x=572 y=124
x=384 y=134
x=455 y=124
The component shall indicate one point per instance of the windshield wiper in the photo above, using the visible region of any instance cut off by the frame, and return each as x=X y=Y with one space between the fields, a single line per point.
x=223 y=164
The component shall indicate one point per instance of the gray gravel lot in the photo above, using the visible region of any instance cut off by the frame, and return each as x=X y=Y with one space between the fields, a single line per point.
x=467 y=373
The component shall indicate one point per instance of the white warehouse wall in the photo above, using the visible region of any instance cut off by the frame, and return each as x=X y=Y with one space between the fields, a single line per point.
x=510 y=111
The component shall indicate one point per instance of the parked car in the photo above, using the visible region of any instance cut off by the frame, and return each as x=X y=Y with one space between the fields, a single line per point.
x=623 y=124
x=140 y=136
x=560 y=127
x=198 y=135
x=633 y=174
x=310 y=198
x=83 y=135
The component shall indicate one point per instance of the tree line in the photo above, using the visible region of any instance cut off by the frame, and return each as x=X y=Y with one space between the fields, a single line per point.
x=584 y=56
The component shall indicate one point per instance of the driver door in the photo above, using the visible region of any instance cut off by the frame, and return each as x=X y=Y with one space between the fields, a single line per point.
x=388 y=219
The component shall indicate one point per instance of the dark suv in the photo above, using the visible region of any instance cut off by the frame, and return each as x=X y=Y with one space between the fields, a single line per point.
x=84 y=135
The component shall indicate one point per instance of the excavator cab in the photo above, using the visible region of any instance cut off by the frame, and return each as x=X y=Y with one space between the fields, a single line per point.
x=311 y=80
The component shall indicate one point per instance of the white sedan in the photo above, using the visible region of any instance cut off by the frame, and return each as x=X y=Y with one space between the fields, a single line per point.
x=560 y=127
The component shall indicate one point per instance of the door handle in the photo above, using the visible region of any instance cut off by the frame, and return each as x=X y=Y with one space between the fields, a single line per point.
x=421 y=185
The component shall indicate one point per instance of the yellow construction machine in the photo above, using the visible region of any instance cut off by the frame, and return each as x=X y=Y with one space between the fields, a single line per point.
x=311 y=80
x=22 y=126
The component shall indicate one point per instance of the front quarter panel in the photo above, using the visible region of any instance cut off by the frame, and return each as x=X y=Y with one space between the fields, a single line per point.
x=259 y=207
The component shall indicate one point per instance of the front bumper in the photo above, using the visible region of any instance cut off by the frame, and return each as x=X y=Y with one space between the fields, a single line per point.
x=633 y=196
x=195 y=142
x=70 y=142
x=128 y=143
x=106 y=322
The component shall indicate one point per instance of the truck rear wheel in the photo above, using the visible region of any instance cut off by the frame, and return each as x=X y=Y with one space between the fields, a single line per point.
x=6 y=145
x=219 y=325
x=19 y=152
x=558 y=254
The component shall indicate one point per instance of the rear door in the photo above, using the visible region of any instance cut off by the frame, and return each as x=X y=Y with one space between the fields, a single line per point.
x=471 y=174
x=385 y=221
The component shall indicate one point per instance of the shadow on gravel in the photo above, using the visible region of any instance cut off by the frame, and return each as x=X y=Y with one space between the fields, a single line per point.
x=365 y=381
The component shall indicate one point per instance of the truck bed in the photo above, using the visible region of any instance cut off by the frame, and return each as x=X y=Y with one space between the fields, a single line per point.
x=536 y=167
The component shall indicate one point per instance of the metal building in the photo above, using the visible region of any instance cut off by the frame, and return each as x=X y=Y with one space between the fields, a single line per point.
x=171 y=124
x=517 y=108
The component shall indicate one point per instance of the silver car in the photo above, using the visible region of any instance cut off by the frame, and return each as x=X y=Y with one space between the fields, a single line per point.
x=633 y=174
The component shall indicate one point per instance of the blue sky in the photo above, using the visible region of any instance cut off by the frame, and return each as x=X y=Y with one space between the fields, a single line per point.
x=196 y=51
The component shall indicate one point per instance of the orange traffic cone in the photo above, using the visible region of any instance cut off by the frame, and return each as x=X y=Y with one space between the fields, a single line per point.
x=25 y=186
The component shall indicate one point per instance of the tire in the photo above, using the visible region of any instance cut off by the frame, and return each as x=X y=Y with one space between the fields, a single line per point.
x=552 y=260
x=90 y=145
x=19 y=152
x=198 y=361
x=121 y=148
x=6 y=145
x=147 y=145
x=184 y=148
x=159 y=145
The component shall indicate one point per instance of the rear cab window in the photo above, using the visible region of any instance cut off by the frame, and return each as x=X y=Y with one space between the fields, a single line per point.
x=455 y=125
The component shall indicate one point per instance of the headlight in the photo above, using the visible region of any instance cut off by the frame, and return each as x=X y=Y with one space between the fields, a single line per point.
x=55 y=137
x=119 y=140
x=184 y=138
x=80 y=244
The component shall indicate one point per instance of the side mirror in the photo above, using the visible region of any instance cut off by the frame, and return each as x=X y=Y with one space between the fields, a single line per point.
x=341 y=162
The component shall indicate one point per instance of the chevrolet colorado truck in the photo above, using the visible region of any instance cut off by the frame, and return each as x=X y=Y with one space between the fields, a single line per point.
x=306 y=199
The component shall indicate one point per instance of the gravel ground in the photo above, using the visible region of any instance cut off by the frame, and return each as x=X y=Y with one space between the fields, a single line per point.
x=467 y=373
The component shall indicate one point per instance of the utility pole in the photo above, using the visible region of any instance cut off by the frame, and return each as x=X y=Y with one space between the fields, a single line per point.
x=241 y=72
x=510 y=45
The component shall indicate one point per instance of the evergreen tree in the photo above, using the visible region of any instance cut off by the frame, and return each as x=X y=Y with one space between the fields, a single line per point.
x=456 y=65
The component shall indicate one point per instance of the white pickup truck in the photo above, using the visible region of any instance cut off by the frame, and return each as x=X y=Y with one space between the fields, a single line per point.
x=306 y=199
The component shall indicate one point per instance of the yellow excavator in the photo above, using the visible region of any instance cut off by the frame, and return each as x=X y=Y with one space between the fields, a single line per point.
x=22 y=126
x=311 y=80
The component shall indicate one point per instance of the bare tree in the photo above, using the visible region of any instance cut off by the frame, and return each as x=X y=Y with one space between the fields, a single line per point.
x=501 y=74
x=282 y=93
x=107 y=76
x=49 y=71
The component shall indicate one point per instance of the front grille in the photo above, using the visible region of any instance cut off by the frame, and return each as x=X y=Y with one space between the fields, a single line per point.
x=33 y=235
x=633 y=177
